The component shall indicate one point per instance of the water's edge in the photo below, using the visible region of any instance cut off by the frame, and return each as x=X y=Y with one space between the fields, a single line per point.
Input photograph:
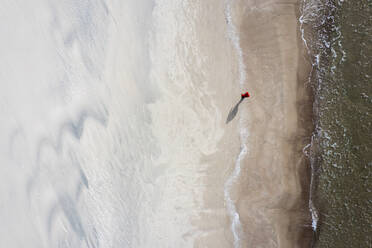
x=236 y=226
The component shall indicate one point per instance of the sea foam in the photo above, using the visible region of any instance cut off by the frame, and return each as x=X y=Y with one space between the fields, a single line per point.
x=236 y=226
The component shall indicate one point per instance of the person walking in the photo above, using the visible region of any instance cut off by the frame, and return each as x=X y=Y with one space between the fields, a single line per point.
x=245 y=95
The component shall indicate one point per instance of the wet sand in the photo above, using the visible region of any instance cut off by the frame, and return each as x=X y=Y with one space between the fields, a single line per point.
x=271 y=195
x=273 y=187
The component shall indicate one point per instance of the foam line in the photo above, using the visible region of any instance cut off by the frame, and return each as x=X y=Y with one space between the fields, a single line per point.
x=234 y=37
x=302 y=20
x=236 y=227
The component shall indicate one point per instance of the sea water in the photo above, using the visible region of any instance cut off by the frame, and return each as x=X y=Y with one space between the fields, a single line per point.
x=338 y=37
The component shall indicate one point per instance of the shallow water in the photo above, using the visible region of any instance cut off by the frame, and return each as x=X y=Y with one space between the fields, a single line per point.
x=338 y=35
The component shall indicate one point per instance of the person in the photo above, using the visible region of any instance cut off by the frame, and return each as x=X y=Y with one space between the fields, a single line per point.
x=245 y=95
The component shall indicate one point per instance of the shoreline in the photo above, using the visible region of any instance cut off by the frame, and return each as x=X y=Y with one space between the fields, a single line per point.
x=306 y=117
x=271 y=193
x=277 y=70
x=305 y=114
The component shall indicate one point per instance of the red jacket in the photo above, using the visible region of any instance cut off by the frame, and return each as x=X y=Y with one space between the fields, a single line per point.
x=246 y=94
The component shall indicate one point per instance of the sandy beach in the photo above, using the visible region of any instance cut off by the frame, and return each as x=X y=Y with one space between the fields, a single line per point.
x=271 y=193
x=115 y=124
x=272 y=197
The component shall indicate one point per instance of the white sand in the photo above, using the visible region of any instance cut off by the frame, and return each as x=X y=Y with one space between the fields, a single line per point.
x=200 y=151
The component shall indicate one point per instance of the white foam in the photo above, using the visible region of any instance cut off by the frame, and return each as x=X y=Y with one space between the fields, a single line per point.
x=234 y=215
x=234 y=37
x=236 y=226
x=307 y=14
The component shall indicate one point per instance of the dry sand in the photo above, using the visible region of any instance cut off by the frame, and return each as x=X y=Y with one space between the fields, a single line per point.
x=271 y=194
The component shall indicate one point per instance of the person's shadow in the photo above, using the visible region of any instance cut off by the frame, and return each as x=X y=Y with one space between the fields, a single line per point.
x=233 y=111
